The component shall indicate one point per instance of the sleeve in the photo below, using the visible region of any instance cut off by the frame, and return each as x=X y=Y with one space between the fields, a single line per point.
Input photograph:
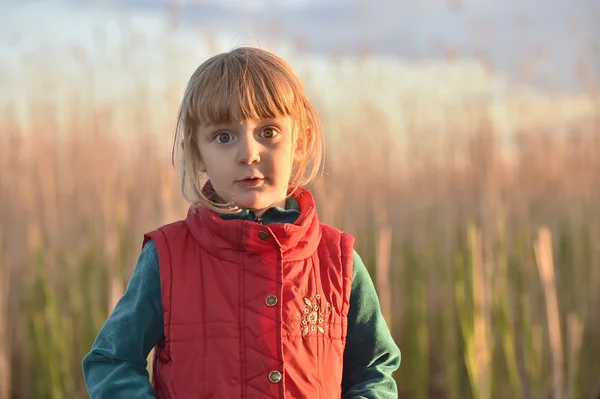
x=371 y=355
x=116 y=365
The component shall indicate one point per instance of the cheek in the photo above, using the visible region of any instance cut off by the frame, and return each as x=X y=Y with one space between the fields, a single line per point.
x=283 y=166
x=213 y=160
x=218 y=173
x=215 y=170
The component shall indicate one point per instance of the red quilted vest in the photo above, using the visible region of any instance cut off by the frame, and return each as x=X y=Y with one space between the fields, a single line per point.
x=252 y=311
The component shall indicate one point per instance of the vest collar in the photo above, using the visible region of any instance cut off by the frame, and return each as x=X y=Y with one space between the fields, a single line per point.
x=296 y=241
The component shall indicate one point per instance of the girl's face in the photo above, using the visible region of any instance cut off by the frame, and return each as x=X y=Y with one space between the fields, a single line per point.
x=250 y=163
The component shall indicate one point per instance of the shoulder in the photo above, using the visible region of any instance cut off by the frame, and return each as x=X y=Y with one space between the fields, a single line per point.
x=333 y=234
x=148 y=264
x=327 y=228
x=172 y=226
x=339 y=244
x=166 y=231
x=346 y=242
x=149 y=248
x=156 y=244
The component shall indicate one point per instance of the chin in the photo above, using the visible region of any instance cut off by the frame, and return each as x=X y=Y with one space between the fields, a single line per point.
x=255 y=200
x=252 y=202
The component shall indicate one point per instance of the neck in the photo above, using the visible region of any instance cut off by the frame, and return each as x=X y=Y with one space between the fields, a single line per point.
x=260 y=212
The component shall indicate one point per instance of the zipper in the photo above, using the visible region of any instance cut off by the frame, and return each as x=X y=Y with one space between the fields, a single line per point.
x=258 y=220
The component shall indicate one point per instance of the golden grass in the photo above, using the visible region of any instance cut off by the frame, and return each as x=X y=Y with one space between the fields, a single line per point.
x=545 y=264
x=454 y=218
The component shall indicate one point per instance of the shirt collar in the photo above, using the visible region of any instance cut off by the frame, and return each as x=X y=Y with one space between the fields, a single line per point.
x=272 y=215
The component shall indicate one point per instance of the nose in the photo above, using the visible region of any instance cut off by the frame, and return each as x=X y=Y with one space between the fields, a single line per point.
x=249 y=151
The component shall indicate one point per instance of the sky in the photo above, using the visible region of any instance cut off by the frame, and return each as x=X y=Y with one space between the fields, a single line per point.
x=537 y=41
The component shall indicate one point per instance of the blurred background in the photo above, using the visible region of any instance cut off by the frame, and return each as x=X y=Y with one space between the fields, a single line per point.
x=463 y=144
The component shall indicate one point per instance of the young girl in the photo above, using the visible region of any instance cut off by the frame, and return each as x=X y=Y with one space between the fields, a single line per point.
x=250 y=296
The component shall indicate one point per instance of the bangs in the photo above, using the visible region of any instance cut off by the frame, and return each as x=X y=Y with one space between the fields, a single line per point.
x=238 y=87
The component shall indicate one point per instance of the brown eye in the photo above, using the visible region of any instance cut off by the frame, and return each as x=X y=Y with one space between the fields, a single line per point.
x=269 y=133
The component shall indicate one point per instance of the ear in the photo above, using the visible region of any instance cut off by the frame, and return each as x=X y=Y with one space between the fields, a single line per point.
x=303 y=143
x=298 y=155
x=201 y=164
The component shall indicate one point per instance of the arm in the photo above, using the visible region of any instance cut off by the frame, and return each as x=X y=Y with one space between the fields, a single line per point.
x=116 y=365
x=371 y=356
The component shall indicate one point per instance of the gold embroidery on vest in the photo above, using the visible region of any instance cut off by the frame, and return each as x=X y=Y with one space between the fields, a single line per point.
x=313 y=315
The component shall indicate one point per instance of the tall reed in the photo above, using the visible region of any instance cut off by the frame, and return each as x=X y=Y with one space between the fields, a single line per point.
x=446 y=223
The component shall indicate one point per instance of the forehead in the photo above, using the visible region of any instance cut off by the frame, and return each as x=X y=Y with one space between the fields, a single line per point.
x=284 y=122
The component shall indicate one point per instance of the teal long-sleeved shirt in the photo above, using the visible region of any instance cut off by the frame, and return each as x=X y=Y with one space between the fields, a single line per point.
x=116 y=366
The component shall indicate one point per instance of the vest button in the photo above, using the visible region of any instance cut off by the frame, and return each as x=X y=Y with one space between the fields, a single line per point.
x=275 y=377
x=271 y=300
x=263 y=235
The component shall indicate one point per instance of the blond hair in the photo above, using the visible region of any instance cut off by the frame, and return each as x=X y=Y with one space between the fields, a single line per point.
x=247 y=83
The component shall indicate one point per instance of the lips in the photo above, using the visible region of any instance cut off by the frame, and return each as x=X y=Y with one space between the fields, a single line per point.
x=252 y=178
x=251 y=182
